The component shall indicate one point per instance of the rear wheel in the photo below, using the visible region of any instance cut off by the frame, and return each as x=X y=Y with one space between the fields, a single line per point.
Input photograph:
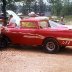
x=51 y=45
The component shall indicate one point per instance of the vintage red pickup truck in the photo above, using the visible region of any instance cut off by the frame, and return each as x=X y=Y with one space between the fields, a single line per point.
x=36 y=32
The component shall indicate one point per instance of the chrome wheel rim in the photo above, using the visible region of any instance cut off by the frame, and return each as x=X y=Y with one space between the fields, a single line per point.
x=50 y=46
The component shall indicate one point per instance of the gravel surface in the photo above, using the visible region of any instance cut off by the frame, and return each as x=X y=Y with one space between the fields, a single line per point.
x=31 y=59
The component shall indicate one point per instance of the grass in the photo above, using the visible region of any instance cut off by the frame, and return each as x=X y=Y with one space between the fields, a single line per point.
x=68 y=19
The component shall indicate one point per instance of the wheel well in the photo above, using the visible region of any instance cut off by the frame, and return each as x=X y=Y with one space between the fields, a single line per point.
x=6 y=38
x=44 y=41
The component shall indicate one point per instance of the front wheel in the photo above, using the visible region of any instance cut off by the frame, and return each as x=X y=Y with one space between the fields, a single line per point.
x=51 y=45
x=3 y=43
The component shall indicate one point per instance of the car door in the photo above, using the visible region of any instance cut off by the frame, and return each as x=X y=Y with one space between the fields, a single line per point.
x=22 y=36
x=14 y=34
x=28 y=31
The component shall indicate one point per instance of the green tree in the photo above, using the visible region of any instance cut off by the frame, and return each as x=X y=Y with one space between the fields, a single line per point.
x=35 y=7
x=41 y=6
x=26 y=6
x=25 y=1
x=66 y=9
x=11 y=3
x=56 y=6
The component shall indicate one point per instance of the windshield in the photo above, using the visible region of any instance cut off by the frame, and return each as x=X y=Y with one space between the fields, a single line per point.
x=54 y=24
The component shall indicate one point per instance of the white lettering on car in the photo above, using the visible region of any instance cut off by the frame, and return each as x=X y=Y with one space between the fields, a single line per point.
x=65 y=40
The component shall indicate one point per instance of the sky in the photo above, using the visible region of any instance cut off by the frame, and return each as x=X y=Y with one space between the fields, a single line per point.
x=45 y=0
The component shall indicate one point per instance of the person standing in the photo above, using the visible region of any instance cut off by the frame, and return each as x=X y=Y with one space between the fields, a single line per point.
x=62 y=20
x=12 y=21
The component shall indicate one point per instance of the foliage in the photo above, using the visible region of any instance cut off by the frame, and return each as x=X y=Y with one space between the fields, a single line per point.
x=11 y=3
x=61 y=7
x=67 y=8
x=56 y=6
x=41 y=6
x=37 y=7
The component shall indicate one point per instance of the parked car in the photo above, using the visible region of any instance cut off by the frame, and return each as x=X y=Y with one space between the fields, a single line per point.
x=36 y=32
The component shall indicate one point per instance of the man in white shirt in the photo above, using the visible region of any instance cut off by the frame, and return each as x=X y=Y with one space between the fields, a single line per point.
x=12 y=21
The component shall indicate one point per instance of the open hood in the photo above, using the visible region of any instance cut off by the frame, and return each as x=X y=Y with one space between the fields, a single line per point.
x=15 y=16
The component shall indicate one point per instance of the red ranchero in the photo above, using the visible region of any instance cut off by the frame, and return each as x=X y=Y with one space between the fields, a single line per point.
x=36 y=32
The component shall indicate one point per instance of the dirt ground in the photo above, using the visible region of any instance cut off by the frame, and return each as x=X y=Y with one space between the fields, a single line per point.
x=31 y=59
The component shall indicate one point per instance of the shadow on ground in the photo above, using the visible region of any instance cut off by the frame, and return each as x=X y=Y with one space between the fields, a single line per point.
x=66 y=51
x=27 y=48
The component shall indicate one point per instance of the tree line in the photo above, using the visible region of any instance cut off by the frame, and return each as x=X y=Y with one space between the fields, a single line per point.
x=26 y=6
x=56 y=7
x=61 y=7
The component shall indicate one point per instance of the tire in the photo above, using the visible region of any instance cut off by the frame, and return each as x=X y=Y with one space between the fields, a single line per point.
x=51 y=46
x=3 y=43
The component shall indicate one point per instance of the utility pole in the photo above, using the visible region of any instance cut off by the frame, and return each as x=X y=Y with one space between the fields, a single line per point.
x=4 y=12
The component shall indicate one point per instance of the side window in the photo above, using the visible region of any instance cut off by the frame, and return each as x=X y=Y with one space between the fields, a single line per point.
x=28 y=25
x=43 y=24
